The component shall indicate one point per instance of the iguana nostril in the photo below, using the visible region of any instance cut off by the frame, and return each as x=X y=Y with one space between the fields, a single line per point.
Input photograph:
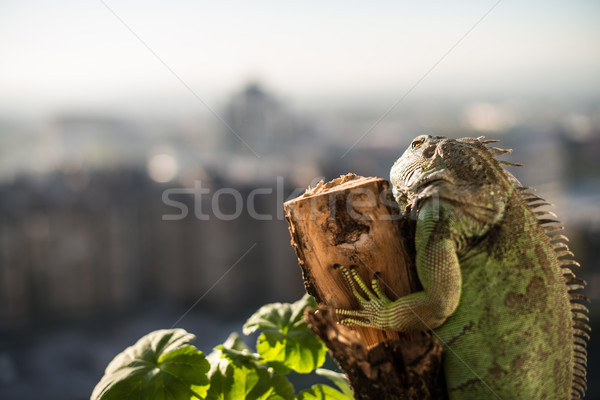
x=429 y=152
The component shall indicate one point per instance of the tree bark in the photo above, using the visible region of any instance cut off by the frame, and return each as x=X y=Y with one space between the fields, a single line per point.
x=354 y=221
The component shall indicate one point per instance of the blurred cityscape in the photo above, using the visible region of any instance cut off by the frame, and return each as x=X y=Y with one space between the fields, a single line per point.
x=94 y=254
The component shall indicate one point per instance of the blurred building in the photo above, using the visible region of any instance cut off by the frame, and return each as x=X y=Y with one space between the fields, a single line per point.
x=258 y=120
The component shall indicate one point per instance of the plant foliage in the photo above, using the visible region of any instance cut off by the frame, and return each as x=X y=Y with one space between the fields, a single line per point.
x=163 y=365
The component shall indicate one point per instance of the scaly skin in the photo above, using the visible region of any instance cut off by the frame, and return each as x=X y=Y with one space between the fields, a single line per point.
x=493 y=286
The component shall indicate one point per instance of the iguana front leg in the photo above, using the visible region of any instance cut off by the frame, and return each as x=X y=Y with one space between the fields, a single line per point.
x=438 y=270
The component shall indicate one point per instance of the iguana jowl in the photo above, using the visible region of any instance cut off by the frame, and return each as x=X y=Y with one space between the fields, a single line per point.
x=497 y=287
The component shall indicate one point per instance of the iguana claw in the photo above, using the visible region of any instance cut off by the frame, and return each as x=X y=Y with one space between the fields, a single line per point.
x=374 y=301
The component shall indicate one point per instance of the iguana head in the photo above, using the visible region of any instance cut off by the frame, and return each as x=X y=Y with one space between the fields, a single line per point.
x=416 y=161
x=463 y=172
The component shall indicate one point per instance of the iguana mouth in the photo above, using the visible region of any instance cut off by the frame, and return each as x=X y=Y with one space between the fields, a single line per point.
x=417 y=182
x=413 y=177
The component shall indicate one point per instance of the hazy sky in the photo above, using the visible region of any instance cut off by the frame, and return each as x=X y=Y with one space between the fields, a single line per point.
x=68 y=53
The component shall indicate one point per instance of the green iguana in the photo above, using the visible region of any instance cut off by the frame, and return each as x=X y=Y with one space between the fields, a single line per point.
x=497 y=289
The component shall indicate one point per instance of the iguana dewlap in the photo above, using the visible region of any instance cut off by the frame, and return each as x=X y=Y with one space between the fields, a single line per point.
x=498 y=291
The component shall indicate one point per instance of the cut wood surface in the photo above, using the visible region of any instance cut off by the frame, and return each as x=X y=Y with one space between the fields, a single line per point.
x=349 y=221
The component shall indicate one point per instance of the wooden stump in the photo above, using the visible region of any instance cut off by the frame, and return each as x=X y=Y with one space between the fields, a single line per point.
x=355 y=221
x=351 y=221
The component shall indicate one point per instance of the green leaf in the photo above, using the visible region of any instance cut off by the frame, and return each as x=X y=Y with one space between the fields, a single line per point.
x=279 y=316
x=235 y=350
x=322 y=392
x=340 y=380
x=161 y=365
x=237 y=375
x=286 y=342
x=250 y=383
x=235 y=342
x=299 y=350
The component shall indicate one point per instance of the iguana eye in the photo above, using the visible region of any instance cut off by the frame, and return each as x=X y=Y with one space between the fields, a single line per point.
x=417 y=142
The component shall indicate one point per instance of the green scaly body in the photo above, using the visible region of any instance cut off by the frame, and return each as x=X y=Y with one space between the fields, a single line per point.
x=498 y=291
